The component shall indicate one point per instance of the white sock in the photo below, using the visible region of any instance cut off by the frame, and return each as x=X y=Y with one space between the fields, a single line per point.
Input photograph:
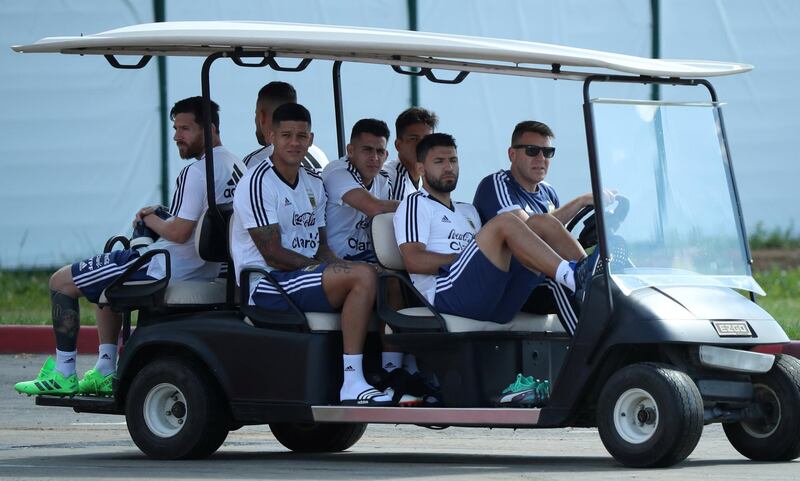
x=565 y=276
x=354 y=382
x=65 y=362
x=391 y=360
x=410 y=364
x=106 y=359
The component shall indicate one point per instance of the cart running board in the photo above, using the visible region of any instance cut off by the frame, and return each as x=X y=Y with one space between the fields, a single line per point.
x=82 y=404
x=500 y=417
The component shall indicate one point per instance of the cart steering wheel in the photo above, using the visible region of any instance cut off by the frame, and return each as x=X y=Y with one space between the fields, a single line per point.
x=613 y=217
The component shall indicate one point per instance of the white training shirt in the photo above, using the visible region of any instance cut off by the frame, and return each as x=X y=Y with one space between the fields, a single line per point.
x=422 y=218
x=264 y=198
x=315 y=158
x=402 y=185
x=189 y=202
x=348 y=227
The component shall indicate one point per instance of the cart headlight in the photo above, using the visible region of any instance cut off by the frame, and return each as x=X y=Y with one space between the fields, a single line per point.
x=735 y=359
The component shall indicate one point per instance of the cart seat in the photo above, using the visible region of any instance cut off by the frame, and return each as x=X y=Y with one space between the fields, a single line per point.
x=325 y=322
x=389 y=256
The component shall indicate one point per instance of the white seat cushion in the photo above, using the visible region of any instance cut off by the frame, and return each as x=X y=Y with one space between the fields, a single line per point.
x=384 y=242
x=328 y=322
x=195 y=292
x=522 y=322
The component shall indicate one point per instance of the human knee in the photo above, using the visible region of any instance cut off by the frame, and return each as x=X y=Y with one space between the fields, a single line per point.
x=61 y=281
x=504 y=224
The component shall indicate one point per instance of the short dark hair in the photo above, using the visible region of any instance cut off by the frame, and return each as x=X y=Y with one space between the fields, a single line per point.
x=291 y=112
x=414 y=115
x=434 y=140
x=194 y=105
x=531 y=126
x=376 y=127
x=277 y=92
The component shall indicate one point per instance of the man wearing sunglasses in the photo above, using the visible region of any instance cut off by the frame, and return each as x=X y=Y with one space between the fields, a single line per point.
x=522 y=191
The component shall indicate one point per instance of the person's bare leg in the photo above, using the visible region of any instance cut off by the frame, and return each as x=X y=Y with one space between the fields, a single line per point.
x=553 y=232
x=351 y=287
x=109 y=324
x=507 y=235
x=66 y=318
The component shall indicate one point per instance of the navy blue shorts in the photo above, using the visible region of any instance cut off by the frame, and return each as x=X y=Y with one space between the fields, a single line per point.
x=93 y=275
x=304 y=287
x=474 y=287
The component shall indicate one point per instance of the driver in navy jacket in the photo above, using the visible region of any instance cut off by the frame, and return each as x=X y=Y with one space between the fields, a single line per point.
x=522 y=191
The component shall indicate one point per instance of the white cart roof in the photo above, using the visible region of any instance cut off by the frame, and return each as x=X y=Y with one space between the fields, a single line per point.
x=374 y=45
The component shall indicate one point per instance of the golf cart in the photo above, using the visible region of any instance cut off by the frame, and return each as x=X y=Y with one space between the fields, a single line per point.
x=665 y=337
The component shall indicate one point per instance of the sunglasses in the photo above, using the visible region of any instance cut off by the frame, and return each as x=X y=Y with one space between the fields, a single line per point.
x=533 y=150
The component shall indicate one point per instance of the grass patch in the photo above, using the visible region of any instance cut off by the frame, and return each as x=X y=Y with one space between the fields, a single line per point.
x=783 y=297
x=776 y=238
x=25 y=298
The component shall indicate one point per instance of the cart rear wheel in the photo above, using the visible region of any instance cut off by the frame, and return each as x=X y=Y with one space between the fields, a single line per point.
x=775 y=434
x=650 y=415
x=174 y=412
x=318 y=438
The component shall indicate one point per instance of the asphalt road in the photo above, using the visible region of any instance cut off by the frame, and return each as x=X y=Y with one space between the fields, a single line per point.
x=38 y=443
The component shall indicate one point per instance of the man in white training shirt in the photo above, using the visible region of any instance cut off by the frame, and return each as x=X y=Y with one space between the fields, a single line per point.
x=279 y=225
x=90 y=277
x=410 y=127
x=270 y=97
x=358 y=189
x=485 y=273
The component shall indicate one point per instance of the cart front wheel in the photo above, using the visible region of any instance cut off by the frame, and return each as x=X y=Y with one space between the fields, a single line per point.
x=650 y=415
x=773 y=434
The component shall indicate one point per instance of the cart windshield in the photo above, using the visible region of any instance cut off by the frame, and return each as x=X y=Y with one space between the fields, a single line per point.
x=683 y=226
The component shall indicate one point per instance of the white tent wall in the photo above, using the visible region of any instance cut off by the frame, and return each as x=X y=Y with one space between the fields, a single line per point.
x=761 y=118
x=367 y=90
x=483 y=126
x=80 y=139
x=88 y=135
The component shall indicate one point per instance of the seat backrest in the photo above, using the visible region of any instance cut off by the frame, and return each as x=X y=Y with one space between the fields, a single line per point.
x=385 y=243
x=210 y=239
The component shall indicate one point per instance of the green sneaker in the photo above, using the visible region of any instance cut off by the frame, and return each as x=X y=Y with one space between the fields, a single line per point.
x=95 y=384
x=49 y=381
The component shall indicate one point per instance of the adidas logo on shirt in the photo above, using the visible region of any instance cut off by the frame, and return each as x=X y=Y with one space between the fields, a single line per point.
x=286 y=201
x=445 y=219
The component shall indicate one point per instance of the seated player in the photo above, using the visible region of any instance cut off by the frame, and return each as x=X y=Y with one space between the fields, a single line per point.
x=522 y=191
x=485 y=273
x=410 y=127
x=270 y=97
x=90 y=277
x=357 y=191
x=279 y=225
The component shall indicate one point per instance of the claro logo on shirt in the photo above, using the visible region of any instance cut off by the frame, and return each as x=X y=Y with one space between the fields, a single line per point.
x=306 y=219
x=311 y=243
x=459 y=240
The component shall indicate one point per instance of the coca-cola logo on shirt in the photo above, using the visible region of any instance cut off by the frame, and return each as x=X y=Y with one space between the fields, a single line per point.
x=306 y=219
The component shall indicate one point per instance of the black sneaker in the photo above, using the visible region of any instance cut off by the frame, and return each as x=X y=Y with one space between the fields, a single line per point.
x=407 y=390
x=583 y=271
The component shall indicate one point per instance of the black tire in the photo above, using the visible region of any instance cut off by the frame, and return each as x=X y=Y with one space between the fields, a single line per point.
x=197 y=423
x=776 y=435
x=667 y=412
x=318 y=438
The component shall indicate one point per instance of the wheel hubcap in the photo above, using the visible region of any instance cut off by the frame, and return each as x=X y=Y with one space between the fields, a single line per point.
x=636 y=416
x=764 y=426
x=165 y=410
